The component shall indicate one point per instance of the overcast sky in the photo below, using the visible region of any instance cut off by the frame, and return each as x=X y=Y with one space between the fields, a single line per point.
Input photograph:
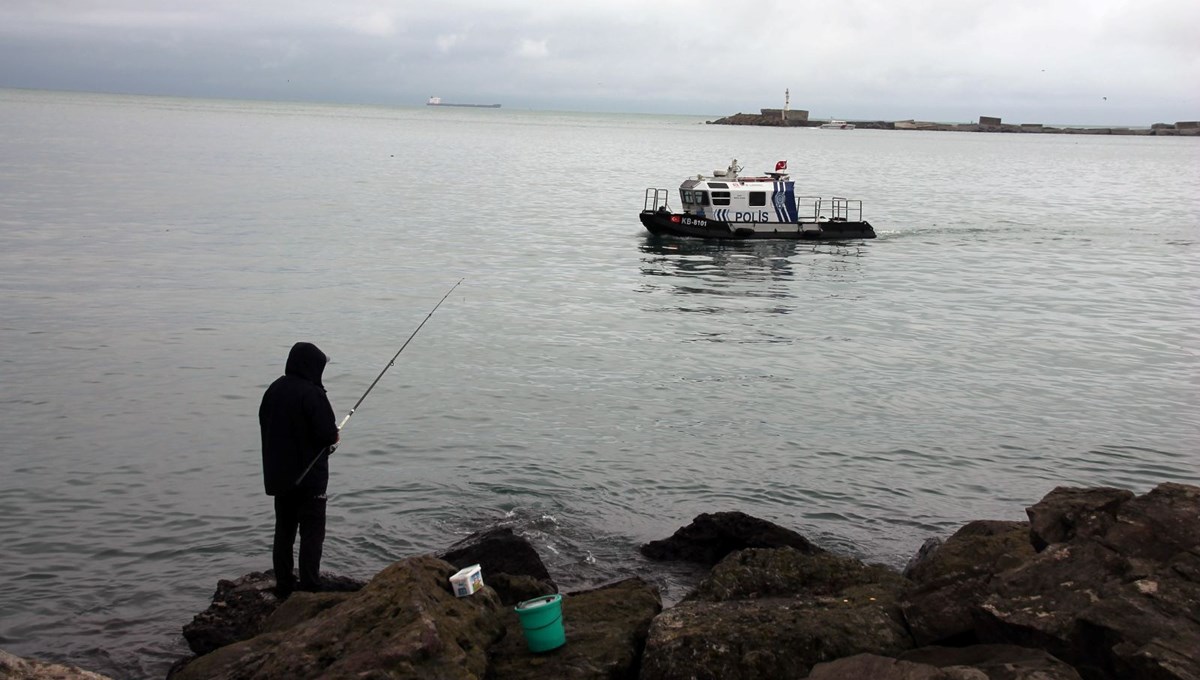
x=1133 y=62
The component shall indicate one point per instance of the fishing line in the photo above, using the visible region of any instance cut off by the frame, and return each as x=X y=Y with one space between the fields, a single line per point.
x=329 y=449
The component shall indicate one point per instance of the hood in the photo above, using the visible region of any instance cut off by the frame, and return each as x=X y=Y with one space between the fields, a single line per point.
x=308 y=362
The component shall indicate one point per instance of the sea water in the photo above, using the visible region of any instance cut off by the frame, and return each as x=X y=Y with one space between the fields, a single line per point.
x=1027 y=318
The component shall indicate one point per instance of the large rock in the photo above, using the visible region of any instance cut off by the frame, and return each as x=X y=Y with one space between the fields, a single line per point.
x=787 y=572
x=236 y=613
x=1154 y=529
x=298 y=608
x=980 y=662
x=995 y=662
x=1066 y=513
x=510 y=565
x=606 y=632
x=775 y=614
x=1113 y=592
x=301 y=607
x=928 y=548
x=768 y=638
x=406 y=623
x=978 y=548
x=712 y=536
x=15 y=668
x=875 y=667
x=239 y=608
x=1119 y=601
x=955 y=579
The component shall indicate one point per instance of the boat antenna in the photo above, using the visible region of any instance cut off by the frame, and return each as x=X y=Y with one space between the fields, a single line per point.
x=329 y=449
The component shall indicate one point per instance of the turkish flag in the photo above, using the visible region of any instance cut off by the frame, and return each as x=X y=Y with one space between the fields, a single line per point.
x=780 y=165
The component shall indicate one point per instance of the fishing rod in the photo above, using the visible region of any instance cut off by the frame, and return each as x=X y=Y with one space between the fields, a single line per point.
x=329 y=449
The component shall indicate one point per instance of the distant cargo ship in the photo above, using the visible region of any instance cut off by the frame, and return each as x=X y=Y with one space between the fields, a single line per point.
x=437 y=101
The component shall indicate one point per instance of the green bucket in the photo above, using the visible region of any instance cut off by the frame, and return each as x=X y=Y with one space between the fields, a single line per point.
x=541 y=619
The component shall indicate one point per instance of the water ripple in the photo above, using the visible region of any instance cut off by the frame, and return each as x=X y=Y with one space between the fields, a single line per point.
x=588 y=385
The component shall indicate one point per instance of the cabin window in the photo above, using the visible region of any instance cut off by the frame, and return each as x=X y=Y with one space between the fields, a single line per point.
x=718 y=185
x=701 y=197
x=686 y=195
x=758 y=198
x=720 y=198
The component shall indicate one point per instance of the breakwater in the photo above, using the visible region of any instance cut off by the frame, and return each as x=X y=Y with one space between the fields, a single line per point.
x=798 y=118
x=1098 y=584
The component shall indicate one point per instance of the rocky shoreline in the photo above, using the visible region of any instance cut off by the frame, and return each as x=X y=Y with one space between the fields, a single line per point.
x=1098 y=584
x=776 y=118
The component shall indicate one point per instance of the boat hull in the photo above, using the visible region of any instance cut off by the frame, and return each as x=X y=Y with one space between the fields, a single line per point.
x=674 y=224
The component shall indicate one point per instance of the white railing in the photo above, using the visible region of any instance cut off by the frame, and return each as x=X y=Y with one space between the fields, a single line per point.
x=656 y=198
x=817 y=209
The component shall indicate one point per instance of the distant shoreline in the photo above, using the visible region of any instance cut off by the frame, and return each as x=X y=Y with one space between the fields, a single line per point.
x=776 y=118
x=467 y=106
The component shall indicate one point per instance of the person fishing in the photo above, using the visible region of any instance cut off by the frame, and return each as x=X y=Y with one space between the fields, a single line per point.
x=298 y=432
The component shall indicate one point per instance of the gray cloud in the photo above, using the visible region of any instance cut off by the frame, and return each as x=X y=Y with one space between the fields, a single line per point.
x=1101 y=62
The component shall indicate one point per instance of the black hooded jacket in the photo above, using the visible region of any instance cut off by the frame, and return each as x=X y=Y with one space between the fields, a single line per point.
x=297 y=424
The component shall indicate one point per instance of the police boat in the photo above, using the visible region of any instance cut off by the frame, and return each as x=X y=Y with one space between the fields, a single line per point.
x=730 y=206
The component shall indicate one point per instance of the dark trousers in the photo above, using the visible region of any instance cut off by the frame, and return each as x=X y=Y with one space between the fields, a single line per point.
x=306 y=513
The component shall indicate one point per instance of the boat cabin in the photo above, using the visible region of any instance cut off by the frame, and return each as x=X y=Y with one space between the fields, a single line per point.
x=729 y=197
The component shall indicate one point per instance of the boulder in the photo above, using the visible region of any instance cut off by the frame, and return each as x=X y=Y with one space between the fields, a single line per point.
x=875 y=667
x=766 y=638
x=712 y=536
x=1157 y=527
x=945 y=614
x=994 y=662
x=775 y=614
x=1112 y=592
x=301 y=607
x=979 y=662
x=1116 y=601
x=1065 y=513
x=237 y=612
x=786 y=572
x=954 y=579
x=928 y=547
x=606 y=631
x=239 y=608
x=15 y=668
x=978 y=548
x=405 y=623
x=499 y=551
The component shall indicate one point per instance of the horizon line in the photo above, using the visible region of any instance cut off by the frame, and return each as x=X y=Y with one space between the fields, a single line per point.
x=503 y=107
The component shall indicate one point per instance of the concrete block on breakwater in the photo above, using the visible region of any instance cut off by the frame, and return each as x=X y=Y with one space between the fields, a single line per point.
x=799 y=118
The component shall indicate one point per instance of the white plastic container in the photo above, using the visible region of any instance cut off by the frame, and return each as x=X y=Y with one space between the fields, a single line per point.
x=467 y=580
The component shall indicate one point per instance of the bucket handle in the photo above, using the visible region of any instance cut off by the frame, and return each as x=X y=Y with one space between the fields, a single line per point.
x=544 y=625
